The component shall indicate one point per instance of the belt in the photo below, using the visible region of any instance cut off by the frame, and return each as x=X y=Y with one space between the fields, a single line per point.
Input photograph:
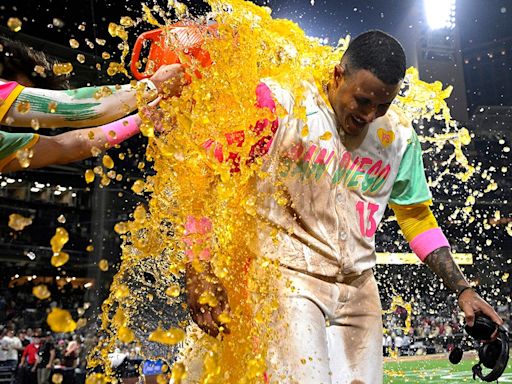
x=349 y=279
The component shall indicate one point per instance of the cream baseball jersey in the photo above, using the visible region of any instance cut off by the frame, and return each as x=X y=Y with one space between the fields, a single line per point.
x=327 y=192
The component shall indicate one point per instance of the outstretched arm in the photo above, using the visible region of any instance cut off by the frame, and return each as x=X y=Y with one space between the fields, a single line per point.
x=74 y=145
x=90 y=106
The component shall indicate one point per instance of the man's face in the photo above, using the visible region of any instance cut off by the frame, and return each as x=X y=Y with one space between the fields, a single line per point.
x=358 y=98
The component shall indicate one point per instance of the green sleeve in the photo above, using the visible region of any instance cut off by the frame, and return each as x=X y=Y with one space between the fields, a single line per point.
x=12 y=142
x=410 y=185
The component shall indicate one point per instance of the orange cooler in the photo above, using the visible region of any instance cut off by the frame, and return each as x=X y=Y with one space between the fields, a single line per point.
x=166 y=43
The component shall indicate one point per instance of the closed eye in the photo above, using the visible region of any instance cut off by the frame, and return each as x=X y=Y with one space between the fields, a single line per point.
x=362 y=101
x=383 y=108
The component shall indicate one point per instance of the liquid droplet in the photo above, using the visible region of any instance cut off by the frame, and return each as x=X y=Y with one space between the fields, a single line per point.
x=19 y=222
x=60 y=321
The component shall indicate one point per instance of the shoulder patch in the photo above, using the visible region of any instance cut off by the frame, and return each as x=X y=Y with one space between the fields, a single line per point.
x=386 y=137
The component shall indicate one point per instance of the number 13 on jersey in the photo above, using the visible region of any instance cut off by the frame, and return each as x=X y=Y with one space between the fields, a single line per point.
x=367 y=223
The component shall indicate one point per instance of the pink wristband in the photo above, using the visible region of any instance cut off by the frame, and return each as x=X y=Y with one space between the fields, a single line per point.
x=120 y=130
x=426 y=242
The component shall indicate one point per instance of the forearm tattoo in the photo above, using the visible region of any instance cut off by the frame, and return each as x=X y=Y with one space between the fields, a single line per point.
x=442 y=264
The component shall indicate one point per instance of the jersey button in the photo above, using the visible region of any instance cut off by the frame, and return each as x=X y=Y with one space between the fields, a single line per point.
x=340 y=198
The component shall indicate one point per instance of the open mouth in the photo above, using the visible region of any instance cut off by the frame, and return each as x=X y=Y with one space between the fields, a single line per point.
x=357 y=122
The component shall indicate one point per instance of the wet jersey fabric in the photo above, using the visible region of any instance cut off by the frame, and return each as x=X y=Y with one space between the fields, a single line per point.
x=327 y=192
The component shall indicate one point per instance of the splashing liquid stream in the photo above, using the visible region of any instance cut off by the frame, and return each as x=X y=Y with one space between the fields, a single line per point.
x=145 y=303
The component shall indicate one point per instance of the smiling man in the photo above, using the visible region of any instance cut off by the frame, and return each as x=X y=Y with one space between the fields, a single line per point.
x=371 y=158
x=339 y=168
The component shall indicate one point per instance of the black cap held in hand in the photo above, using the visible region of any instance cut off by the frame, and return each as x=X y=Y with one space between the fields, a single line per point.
x=455 y=355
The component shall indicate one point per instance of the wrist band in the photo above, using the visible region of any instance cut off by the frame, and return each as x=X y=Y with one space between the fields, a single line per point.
x=120 y=130
x=427 y=242
x=462 y=290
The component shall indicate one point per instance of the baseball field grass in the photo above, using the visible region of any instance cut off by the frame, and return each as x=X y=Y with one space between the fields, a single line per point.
x=434 y=370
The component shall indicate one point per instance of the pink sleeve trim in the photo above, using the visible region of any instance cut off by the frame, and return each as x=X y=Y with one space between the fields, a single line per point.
x=428 y=241
x=197 y=238
x=120 y=130
x=9 y=92
x=7 y=88
x=264 y=97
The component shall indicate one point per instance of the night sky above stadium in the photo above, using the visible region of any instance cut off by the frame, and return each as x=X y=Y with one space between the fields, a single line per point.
x=478 y=20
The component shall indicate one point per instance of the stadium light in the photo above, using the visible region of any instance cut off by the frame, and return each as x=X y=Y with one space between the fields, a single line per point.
x=440 y=13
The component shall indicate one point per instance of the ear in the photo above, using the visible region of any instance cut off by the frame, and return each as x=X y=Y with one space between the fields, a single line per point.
x=339 y=75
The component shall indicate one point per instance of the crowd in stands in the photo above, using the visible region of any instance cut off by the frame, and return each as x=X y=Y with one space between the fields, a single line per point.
x=33 y=356
x=32 y=314
x=31 y=353
x=430 y=333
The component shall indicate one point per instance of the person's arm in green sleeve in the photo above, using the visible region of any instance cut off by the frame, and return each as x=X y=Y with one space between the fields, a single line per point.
x=90 y=106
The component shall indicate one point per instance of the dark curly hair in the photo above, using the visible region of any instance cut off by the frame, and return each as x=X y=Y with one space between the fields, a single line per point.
x=18 y=59
x=379 y=53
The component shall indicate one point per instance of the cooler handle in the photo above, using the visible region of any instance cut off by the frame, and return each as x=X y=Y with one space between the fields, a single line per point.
x=150 y=35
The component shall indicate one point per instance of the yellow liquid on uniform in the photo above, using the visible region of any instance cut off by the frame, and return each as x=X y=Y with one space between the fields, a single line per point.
x=250 y=46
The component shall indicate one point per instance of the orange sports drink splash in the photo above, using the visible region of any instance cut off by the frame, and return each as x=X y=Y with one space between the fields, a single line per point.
x=183 y=43
x=206 y=166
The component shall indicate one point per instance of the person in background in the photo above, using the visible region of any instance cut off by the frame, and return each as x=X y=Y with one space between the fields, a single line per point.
x=46 y=357
x=28 y=363
x=22 y=335
x=387 y=343
x=10 y=345
x=70 y=359
x=3 y=332
x=406 y=344
x=30 y=335
x=399 y=342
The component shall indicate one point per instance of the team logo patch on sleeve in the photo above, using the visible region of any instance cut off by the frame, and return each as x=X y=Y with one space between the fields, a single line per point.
x=385 y=137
